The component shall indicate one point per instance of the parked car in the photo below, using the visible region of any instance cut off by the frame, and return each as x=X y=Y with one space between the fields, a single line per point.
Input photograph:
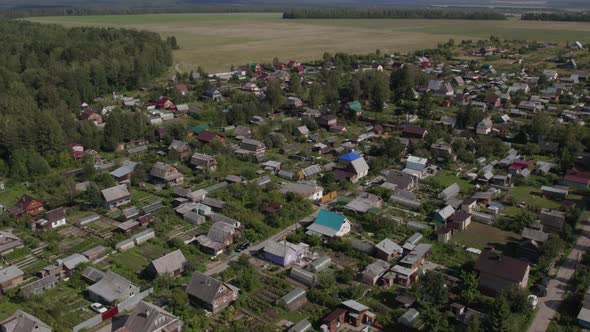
x=97 y=307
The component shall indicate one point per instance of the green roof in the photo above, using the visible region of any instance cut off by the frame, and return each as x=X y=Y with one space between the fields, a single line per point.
x=355 y=106
x=198 y=129
x=330 y=219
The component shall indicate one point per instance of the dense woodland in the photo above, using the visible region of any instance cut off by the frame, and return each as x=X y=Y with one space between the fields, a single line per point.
x=47 y=71
x=389 y=13
x=560 y=16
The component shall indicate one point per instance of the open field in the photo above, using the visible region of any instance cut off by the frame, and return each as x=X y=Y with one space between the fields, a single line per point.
x=216 y=41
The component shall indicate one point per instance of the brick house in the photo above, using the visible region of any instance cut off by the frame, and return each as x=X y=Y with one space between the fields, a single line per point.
x=212 y=294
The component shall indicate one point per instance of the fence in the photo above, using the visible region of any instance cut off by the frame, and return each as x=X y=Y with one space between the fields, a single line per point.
x=123 y=306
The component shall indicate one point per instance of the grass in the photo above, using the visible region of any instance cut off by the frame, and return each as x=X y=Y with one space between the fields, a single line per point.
x=445 y=180
x=532 y=197
x=10 y=195
x=216 y=41
x=480 y=236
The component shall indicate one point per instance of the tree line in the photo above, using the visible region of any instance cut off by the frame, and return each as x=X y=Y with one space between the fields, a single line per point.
x=47 y=71
x=558 y=16
x=389 y=13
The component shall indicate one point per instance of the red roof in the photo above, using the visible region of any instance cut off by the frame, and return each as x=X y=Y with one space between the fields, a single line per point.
x=182 y=88
x=521 y=164
x=300 y=69
x=334 y=315
x=577 y=176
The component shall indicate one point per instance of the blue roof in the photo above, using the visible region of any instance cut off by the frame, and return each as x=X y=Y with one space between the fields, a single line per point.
x=330 y=219
x=349 y=156
x=497 y=204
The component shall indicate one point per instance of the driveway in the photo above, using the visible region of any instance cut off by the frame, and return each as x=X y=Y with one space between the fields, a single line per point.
x=218 y=267
x=557 y=287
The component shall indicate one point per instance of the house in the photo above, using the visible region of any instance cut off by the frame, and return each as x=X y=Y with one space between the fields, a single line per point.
x=415 y=132
x=493 y=101
x=364 y=202
x=179 y=150
x=53 y=219
x=519 y=165
x=206 y=137
x=166 y=174
x=516 y=87
x=552 y=220
x=498 y=272
x=357 y=314
x=213 y=95
x=557 y=192
x=329 y=224
x=251 y=147
x=10 y=277
x=284 y=253
x=469 y=205
x=577 y=179
x=182 y=89
x=440 y=89
x=170 y=265
x=242 y=132
x=354 y=107
x=310 y=191
x=443 y=214
x=387 y=250
x=373 y=272
x=484 y=127
x=21 y=321
x=111 y=289
x=204 y=162
x=416 y=166
x=220 y=236
x=352 y=167
x=27 y=205
x=334 y=320
x=147 y=317
x=93 y=117
x=116 y=196
x=442 y=150
x=9 y=242
x=458 y=81
x=552 y=75
x=123 y=173
x=449 y=192
x=252 y=87
x=327 y=121
x=212 y=294
x=400 y=180
x=444 y=234
x=416 y=257
x=294 y=102
x=39 y=286
x=460 y=220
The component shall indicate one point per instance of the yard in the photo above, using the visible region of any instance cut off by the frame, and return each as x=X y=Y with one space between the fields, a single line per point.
x=479 y=236
x=532 y=197
x=446 y=179
x=10 y=195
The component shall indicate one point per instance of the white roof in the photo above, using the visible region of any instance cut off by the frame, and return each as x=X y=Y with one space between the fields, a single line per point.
x=417 y=160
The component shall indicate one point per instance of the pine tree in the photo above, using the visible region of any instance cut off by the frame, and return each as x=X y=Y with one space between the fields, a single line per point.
x=500 y=312
x=474 y=325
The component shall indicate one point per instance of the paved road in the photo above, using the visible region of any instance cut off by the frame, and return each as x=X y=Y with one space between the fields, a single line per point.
x=220 y=266
x=557 y=288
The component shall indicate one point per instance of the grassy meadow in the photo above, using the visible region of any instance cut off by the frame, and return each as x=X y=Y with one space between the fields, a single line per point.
x=216 y=41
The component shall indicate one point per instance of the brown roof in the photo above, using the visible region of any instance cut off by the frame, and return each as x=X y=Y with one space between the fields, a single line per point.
x=501 y=266
x=334 y=315
x=460 y=216
x=208 y=136
x=55 y=214
x=410 y=129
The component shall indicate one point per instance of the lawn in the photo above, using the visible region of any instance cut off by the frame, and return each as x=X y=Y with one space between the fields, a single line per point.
x=479 y=236
x=445 y=180
x=532 y=197
x=217 y=41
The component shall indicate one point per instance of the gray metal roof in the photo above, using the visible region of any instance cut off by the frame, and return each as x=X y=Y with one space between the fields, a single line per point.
x=389 y=247
x=170 y=262
x=111 y=287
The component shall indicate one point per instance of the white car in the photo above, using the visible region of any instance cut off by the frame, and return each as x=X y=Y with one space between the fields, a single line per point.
x=98 y=308
x=534 y=300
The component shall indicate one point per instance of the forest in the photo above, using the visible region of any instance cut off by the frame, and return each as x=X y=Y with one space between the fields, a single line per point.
x=48 y=71
x=558 y=16
x=389 y=13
